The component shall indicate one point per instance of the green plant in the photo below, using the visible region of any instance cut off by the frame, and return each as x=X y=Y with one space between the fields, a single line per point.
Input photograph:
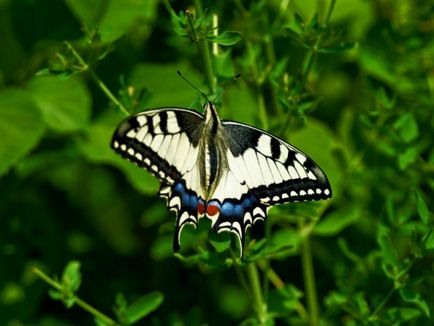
x=349 y=82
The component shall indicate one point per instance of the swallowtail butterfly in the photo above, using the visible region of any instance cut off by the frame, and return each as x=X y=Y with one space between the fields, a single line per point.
x=227 y=171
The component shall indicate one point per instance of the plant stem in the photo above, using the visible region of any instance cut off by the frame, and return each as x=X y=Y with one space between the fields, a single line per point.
x=309 y=281
x=311 y=55
x=260 y=306
x=97 y=80
x=84 y=305
x=204 y=50
x=382 y=303
x=258 y=85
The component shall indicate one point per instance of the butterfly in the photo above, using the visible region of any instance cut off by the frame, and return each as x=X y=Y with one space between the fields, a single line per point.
x=229 y=172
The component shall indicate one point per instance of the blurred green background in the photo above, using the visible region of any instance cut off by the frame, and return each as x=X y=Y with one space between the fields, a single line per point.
x=350 y=82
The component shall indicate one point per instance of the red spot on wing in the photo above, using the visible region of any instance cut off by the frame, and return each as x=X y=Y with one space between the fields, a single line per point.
x=212 y=210
x=200 y=208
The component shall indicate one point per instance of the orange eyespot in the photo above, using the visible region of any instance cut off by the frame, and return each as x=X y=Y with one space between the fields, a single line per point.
x=212 y=210
x=200 y=208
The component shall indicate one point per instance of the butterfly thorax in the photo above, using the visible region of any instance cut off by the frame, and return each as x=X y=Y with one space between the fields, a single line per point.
x=212 y=148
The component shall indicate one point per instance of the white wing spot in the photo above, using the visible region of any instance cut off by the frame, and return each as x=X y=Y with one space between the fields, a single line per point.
x=165 y=190
x=300 y=157
x=300 y=170
x=154 y=168
x=253 y=170
x=283 y=172
x=302 y=193
x=156 y=143
x=293 y=194
x=292 y=172
x=175 y=202
x=139 y=156
x=258 y=212
x=327 y=192
x=142 y=133
x=156 y=124
x=131 y=133
x=162 y=152
x=274 y=171
x=224 y=225
x=130 y=151
x=285 y=195
x=264 y=145
x=276 y=198
x=115 y=144
x=318 y=191
x=310 y=192
x=172 y=123
x=183 y=218
x=141 y=119
x=147 y=140
x=283 y=153
x=248 y=218
x=123 y=147
x=266 y=173
x=311 y=175
x=147 y=161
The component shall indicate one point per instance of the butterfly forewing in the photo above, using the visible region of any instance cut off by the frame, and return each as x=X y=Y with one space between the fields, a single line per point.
x=163 y=141
x=275 y=171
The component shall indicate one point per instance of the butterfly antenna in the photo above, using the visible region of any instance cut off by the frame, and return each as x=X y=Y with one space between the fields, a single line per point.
x=197 y=89
x=226 y=83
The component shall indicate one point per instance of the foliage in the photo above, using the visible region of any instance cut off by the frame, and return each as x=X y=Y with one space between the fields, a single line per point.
x=350 y=82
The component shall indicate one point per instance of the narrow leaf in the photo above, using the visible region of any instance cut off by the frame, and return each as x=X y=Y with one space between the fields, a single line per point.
x=144 y=306
x=411 y=296
x=422 y=208
x=226 y=38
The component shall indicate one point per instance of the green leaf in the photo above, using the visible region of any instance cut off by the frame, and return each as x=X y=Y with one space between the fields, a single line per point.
x=336 y=221
x=422 y=208
x=223 y=64
x=144 y=306
x=341 y=47
x=96 y=148
x=165 y=86
x=415 y=298
x=21 y=127
x=220 y=241
x=403 y=313
x=65 y=103
x=71 y=278
x=226 y=38
x=112 y=18
x=407 y=157
x=406 y=125
x=429 y=243
x=389 y=256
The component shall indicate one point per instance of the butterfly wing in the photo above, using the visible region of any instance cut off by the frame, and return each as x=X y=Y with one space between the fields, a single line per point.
x=165 y=142
x=263 y=170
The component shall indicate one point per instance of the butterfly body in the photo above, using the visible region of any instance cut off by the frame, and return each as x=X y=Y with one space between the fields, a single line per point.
x=227 y=171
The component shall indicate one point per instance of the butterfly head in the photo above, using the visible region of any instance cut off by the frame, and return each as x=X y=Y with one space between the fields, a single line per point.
x=211 y=116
